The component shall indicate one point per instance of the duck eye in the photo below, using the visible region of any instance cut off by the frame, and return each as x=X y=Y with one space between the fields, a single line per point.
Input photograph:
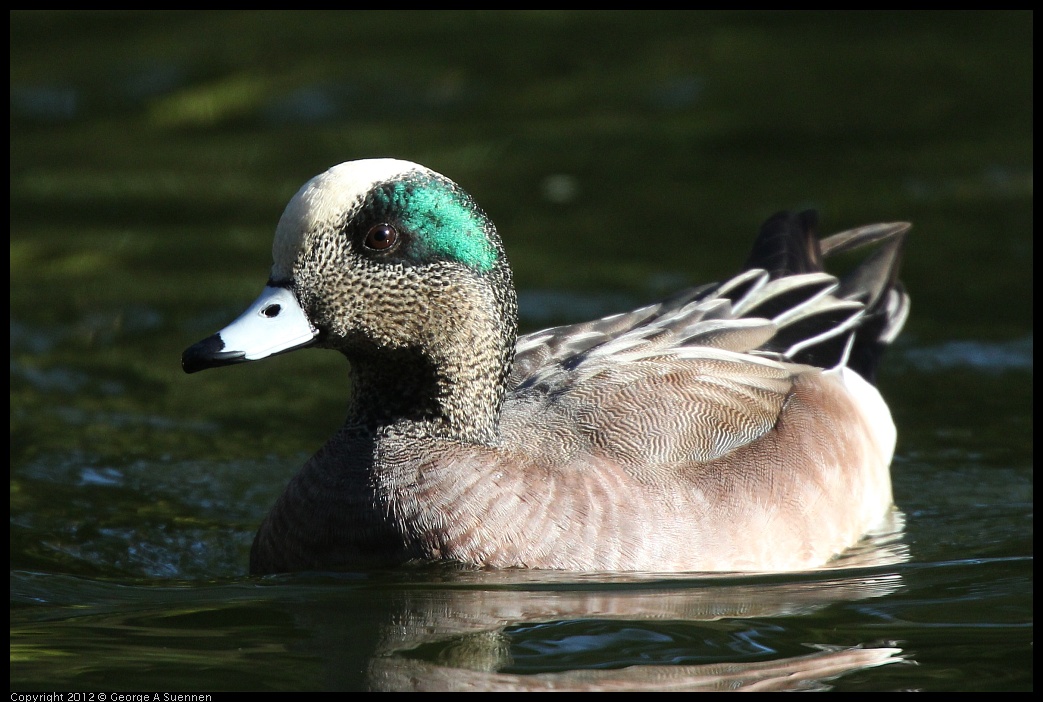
x=381 y=237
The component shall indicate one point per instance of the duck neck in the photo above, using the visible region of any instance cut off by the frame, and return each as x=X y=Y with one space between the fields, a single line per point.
x=452 y=388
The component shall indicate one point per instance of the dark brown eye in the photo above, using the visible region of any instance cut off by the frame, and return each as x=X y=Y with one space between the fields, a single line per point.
x=381 y=237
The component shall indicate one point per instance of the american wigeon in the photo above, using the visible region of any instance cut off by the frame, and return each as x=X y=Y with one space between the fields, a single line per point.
x=732 y=427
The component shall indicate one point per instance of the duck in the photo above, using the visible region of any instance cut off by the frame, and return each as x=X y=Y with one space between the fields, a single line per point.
x=732 y=427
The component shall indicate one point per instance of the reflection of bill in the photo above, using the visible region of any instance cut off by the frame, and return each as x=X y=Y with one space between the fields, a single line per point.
x=464 y=628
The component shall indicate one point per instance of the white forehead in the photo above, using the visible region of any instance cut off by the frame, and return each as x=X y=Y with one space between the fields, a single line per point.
x=326 y=196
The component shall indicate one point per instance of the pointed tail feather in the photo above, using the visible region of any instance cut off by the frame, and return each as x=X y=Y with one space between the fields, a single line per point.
x=826 y=335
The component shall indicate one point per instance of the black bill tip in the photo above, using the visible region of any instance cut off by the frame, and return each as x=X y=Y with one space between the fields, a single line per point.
x=209 y=353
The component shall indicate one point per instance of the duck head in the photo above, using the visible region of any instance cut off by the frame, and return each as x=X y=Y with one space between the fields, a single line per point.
x=396 y=267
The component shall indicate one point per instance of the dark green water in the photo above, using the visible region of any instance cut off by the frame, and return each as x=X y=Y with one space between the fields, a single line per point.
x=622 y=156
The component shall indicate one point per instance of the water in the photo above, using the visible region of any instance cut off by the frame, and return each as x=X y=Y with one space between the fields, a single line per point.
x=622 y=156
